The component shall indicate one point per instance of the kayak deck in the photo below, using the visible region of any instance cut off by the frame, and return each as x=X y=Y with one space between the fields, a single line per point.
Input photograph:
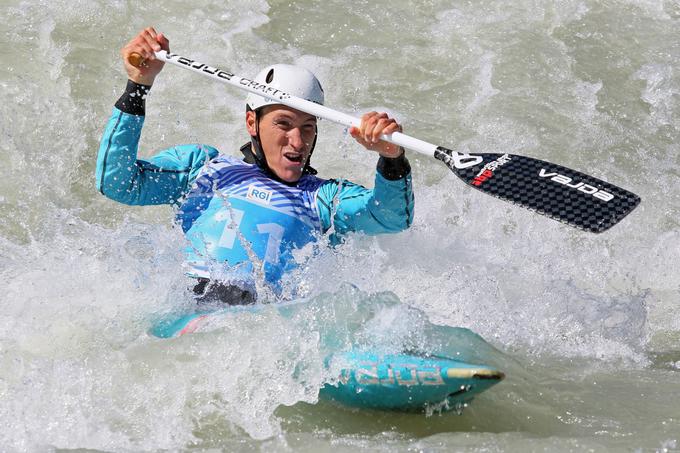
x=408 y=381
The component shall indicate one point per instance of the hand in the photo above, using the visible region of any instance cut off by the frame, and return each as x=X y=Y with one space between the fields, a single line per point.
x=145 y=44
x=373 y=125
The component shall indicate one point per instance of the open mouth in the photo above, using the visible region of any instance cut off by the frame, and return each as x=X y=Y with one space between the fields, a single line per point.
x=293 y=157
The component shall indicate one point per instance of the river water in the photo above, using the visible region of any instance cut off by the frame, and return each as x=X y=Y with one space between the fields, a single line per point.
x=587 y=327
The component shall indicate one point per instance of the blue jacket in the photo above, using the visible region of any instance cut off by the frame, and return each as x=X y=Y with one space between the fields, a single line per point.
x=233 y=212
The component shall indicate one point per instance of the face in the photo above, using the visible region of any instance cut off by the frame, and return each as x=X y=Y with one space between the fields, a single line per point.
x=286 y=136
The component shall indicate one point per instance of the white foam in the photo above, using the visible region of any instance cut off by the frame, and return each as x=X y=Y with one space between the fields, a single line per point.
x=83 y=278
x=661 y=93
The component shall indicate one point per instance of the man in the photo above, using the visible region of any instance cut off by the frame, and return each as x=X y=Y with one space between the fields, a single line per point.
x=243 y=218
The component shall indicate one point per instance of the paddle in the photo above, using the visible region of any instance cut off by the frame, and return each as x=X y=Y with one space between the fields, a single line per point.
x=558 y=192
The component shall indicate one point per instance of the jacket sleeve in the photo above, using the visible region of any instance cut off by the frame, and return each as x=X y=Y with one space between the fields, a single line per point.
x=162 y=179
x=387 y=208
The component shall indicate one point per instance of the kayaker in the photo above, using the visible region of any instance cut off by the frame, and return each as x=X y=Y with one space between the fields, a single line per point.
x=250 y=213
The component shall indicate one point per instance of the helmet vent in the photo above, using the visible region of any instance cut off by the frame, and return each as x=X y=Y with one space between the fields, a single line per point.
x=270 y=76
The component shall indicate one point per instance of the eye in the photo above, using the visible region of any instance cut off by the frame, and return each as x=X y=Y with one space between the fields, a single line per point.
x=283 y=124
x=308 y=128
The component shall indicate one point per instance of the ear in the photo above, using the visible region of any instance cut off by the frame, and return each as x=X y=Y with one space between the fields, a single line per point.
x=251 y=123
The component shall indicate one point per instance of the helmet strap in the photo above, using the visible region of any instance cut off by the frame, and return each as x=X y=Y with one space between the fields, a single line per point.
x=308 y=168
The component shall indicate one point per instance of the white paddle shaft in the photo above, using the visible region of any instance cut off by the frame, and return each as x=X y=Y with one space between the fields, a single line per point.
x=304 y=105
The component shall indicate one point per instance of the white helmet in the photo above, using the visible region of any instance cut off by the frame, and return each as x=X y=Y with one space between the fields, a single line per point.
x=290 y=79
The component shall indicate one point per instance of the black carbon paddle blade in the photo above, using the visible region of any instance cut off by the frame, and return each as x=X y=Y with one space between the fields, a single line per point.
x=558 y=192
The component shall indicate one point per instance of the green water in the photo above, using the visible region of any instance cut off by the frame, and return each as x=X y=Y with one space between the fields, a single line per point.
x=587 y=326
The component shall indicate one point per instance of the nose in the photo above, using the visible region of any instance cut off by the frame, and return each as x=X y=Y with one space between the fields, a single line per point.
x=295 y=139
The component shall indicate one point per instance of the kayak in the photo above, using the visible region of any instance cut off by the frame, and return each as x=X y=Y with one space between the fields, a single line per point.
x=409 y=381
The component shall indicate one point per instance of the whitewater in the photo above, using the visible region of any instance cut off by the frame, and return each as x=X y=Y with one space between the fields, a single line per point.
x=585 y=326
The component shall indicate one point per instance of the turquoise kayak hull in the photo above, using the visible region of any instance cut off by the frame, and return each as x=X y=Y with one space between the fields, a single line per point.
x=408 y=381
